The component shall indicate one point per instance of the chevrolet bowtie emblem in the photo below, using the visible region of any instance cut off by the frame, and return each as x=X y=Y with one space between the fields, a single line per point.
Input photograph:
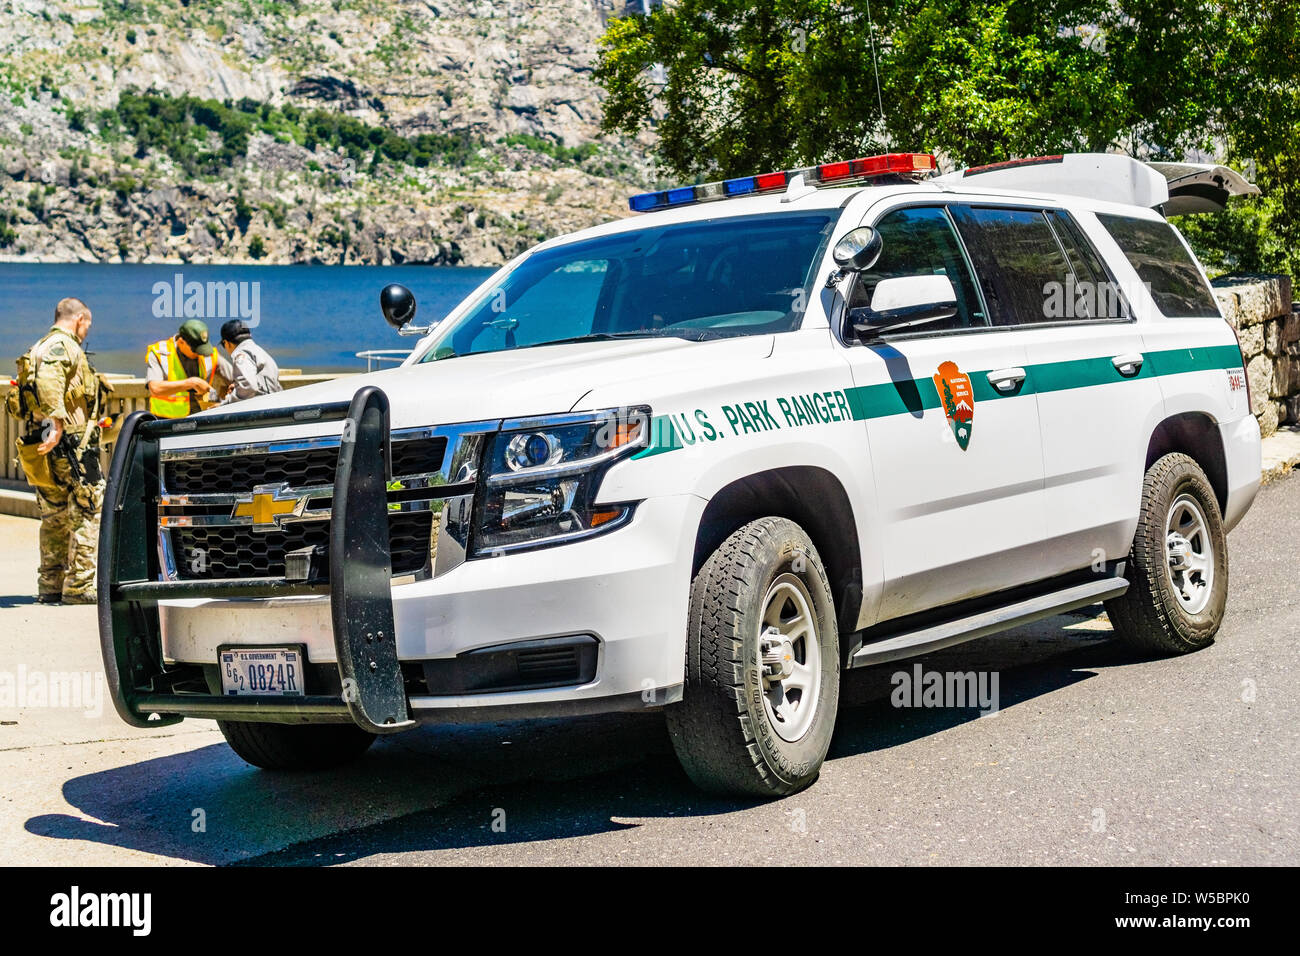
x=267 y=505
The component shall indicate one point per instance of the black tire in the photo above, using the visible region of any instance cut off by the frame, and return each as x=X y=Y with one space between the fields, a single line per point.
x=1149 y=617
x=295 y=746
x=722 y=732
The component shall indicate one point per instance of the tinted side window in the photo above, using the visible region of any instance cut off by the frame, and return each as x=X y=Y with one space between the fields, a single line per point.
x=921 y=241
x=1018 y=259
x=1163 y=264
x=1096 y=294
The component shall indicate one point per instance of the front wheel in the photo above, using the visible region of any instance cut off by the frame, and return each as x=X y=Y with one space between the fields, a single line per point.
x=762 y=665
x=1178 y=568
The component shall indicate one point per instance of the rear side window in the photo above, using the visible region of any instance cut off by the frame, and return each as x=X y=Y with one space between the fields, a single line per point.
x=1018 y=260
x=1163 y=265
x=1096 y=294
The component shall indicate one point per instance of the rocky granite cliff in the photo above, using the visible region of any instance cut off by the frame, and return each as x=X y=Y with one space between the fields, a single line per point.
x=338 y=131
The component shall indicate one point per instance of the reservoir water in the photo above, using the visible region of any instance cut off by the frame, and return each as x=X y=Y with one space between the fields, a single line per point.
x=313 y=318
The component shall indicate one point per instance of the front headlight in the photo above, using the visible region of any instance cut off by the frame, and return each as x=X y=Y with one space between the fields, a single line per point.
x=541 y=477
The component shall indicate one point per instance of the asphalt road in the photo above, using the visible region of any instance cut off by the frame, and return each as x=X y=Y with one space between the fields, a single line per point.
x=1093 y=757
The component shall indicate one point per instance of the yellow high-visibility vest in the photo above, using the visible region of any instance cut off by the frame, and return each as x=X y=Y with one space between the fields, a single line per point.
x=178 y=404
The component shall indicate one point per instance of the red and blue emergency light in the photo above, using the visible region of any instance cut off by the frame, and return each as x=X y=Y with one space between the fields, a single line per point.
x=837 y=174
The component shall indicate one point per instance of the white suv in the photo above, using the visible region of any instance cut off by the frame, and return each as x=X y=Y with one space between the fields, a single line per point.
x=704 y=459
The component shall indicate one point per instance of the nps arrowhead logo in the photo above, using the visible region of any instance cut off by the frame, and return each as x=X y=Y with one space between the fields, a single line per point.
x=957 y=399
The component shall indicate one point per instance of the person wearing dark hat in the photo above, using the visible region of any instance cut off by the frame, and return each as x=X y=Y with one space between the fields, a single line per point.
x=184 y=373
x=254 y=371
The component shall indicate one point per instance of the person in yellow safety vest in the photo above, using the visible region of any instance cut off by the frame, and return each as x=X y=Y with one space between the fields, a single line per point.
x=185 y=374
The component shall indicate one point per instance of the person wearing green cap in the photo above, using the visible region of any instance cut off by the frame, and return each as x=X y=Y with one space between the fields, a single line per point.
x=182 y=372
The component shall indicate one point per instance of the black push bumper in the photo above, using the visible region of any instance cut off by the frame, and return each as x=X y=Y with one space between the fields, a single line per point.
x=360 y=573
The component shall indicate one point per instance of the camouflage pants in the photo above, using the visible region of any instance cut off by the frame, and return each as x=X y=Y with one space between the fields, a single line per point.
x=69 y=531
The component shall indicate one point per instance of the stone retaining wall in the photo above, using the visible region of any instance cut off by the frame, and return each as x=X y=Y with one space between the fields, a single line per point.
x=1260 y=308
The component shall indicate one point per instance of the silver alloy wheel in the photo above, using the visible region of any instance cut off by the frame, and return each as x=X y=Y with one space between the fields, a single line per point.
x=1191 y=554
x=792 y=657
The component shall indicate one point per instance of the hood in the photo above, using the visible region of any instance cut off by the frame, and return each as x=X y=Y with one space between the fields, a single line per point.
x=530 y=381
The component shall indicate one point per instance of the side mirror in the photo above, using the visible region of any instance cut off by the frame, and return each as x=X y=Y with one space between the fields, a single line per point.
x=905 y=302
x=859 y=250
x=398 y=305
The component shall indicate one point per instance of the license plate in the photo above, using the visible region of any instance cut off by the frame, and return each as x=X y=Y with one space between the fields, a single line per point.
x=261 y=671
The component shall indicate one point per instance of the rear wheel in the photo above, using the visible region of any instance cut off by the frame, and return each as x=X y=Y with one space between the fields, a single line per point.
x=1178 y=568
x=295 y=746
x=762 y=665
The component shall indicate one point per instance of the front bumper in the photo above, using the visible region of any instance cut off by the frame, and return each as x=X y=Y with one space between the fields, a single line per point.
x=361 y=606
x=627 y=589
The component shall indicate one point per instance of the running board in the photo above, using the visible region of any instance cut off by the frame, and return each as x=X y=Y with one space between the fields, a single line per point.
x=938 y=636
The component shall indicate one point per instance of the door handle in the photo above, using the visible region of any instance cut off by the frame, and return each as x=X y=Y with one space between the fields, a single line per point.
x=1128 y=364
x=1007 y=379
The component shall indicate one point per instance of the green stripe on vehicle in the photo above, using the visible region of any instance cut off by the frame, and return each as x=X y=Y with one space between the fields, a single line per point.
x=914 y=396
x=1083 y=373
x=1177 y=361
x=663 y=437
x=892 y=398
x=1078 y=373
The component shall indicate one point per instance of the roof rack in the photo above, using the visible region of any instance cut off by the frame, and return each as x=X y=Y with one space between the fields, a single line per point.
x=842 y=173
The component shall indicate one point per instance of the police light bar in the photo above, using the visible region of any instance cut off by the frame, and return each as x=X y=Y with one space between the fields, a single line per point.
x=837 y=174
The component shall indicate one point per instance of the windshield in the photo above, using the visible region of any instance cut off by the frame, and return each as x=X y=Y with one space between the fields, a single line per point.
x=747 y=275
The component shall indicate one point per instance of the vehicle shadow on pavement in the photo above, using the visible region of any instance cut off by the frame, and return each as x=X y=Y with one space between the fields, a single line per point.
x=529 y=813
x=208 y=806
x=1027 y=666
x=507 y=783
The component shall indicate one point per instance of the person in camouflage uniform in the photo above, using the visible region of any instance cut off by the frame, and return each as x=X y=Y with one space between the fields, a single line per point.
x=61 y=413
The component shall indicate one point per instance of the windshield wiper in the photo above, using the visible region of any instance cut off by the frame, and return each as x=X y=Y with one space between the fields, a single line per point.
x=692 y=335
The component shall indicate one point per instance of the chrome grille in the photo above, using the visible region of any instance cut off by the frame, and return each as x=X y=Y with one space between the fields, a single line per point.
x=418 y=456
x=212 y=528
x=303 y=468
x=236 y=551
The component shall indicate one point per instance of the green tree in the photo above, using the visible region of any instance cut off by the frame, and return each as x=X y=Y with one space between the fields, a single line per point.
x=746 y=87
x=795 y=83
x=982 y=83
x=1260 y=123
x=730 y=89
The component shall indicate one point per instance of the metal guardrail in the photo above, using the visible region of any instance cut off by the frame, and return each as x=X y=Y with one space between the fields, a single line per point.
x=381 y=357
x=129 y=395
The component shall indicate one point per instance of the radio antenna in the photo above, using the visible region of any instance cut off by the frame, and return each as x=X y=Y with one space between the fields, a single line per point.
x=875 y=67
